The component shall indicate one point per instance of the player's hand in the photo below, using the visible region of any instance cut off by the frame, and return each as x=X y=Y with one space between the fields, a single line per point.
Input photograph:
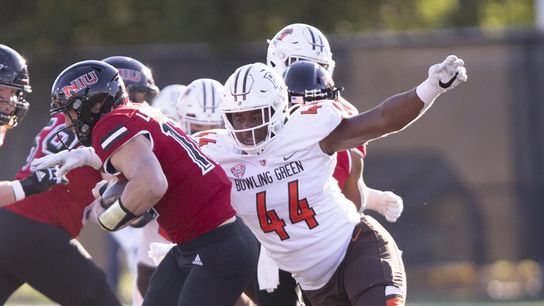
x=42 y=180
x=68 y=160
x=448 y=74
x=99 y=189
x=387 y=203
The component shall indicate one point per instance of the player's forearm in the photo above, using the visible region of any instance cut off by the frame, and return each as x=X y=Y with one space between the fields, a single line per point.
x=6 y=193
x=390 y=116
x=145 y=190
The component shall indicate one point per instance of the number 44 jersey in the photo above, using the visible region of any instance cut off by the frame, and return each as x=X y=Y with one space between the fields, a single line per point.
x=287 y=194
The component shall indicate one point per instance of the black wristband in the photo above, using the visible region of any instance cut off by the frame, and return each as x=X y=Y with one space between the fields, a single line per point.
x=29 y=186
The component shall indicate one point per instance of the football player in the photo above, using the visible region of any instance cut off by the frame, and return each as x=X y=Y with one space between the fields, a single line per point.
x=42 y=215
x=306 y=44
x=166 y=172
x=281 y=168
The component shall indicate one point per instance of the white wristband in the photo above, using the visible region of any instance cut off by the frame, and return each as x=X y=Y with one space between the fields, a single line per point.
x=18 y=191
x=427 y=93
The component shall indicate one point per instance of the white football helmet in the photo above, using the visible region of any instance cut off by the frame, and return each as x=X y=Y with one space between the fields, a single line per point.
x=299 y=41
x=199 y=105
x=255 y=87
x=166 y=100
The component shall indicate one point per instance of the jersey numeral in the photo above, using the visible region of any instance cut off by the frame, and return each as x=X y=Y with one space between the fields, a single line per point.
x=299 y=211
x=191 y=148
x=312 y=110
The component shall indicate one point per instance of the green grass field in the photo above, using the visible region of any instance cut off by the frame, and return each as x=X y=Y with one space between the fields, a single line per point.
x=27 y=296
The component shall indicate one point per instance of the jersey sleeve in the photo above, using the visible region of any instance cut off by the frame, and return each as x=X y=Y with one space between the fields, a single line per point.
x=309 y=124
x=111 y=133
x=53 y=138
x=216 y=144
x=360 y=150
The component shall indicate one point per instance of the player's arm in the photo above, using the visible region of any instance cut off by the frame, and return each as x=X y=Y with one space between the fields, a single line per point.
x=146 y=183
x=351 y=188
x=398 y=111
x=39 y=181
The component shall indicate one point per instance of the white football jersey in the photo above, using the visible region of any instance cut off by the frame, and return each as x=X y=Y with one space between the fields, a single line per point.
x=287 y=195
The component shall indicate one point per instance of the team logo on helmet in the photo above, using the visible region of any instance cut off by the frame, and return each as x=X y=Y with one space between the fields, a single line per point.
x=130 y=74
x=269 y=77
x=285 y=33
x=238 y=170
x=80 y=83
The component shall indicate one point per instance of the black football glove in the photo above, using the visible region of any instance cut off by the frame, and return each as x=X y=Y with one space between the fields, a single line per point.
x=41 y=180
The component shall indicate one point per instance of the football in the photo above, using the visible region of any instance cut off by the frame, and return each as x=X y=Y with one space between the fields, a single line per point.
x=112 y=192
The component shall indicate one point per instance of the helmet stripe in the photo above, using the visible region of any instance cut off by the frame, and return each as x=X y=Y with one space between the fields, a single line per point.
x=321 y=44
x=205 y=97
x=235 y=93
x=245 y=81
x=214 y=106
x=313 y=37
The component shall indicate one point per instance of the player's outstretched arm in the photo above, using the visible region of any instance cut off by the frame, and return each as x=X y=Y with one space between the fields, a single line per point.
x=398 y=111
x=39 y=181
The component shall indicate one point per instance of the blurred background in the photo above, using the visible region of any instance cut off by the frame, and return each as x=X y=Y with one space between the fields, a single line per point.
x=471 y=171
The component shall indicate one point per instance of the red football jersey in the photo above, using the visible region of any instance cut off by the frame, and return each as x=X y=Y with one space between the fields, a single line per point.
x=62 y=205
x=343 y=164
x=198 y=195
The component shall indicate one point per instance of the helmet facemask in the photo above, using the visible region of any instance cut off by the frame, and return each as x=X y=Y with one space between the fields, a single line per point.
x=18 y=108
x=251 y=139
x=13 y=76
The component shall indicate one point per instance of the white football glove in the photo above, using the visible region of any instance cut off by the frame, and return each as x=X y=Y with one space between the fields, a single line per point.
x=387 y=203
x=68 y=160
x=442 y=77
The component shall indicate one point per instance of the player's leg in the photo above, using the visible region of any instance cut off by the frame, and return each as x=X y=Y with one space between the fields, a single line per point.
x=373 y=271
x=223 y=263
x=8 y=282
x=51 y=263
x=167 y=280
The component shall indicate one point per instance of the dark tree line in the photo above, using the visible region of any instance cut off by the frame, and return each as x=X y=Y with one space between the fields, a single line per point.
x=44 y=26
